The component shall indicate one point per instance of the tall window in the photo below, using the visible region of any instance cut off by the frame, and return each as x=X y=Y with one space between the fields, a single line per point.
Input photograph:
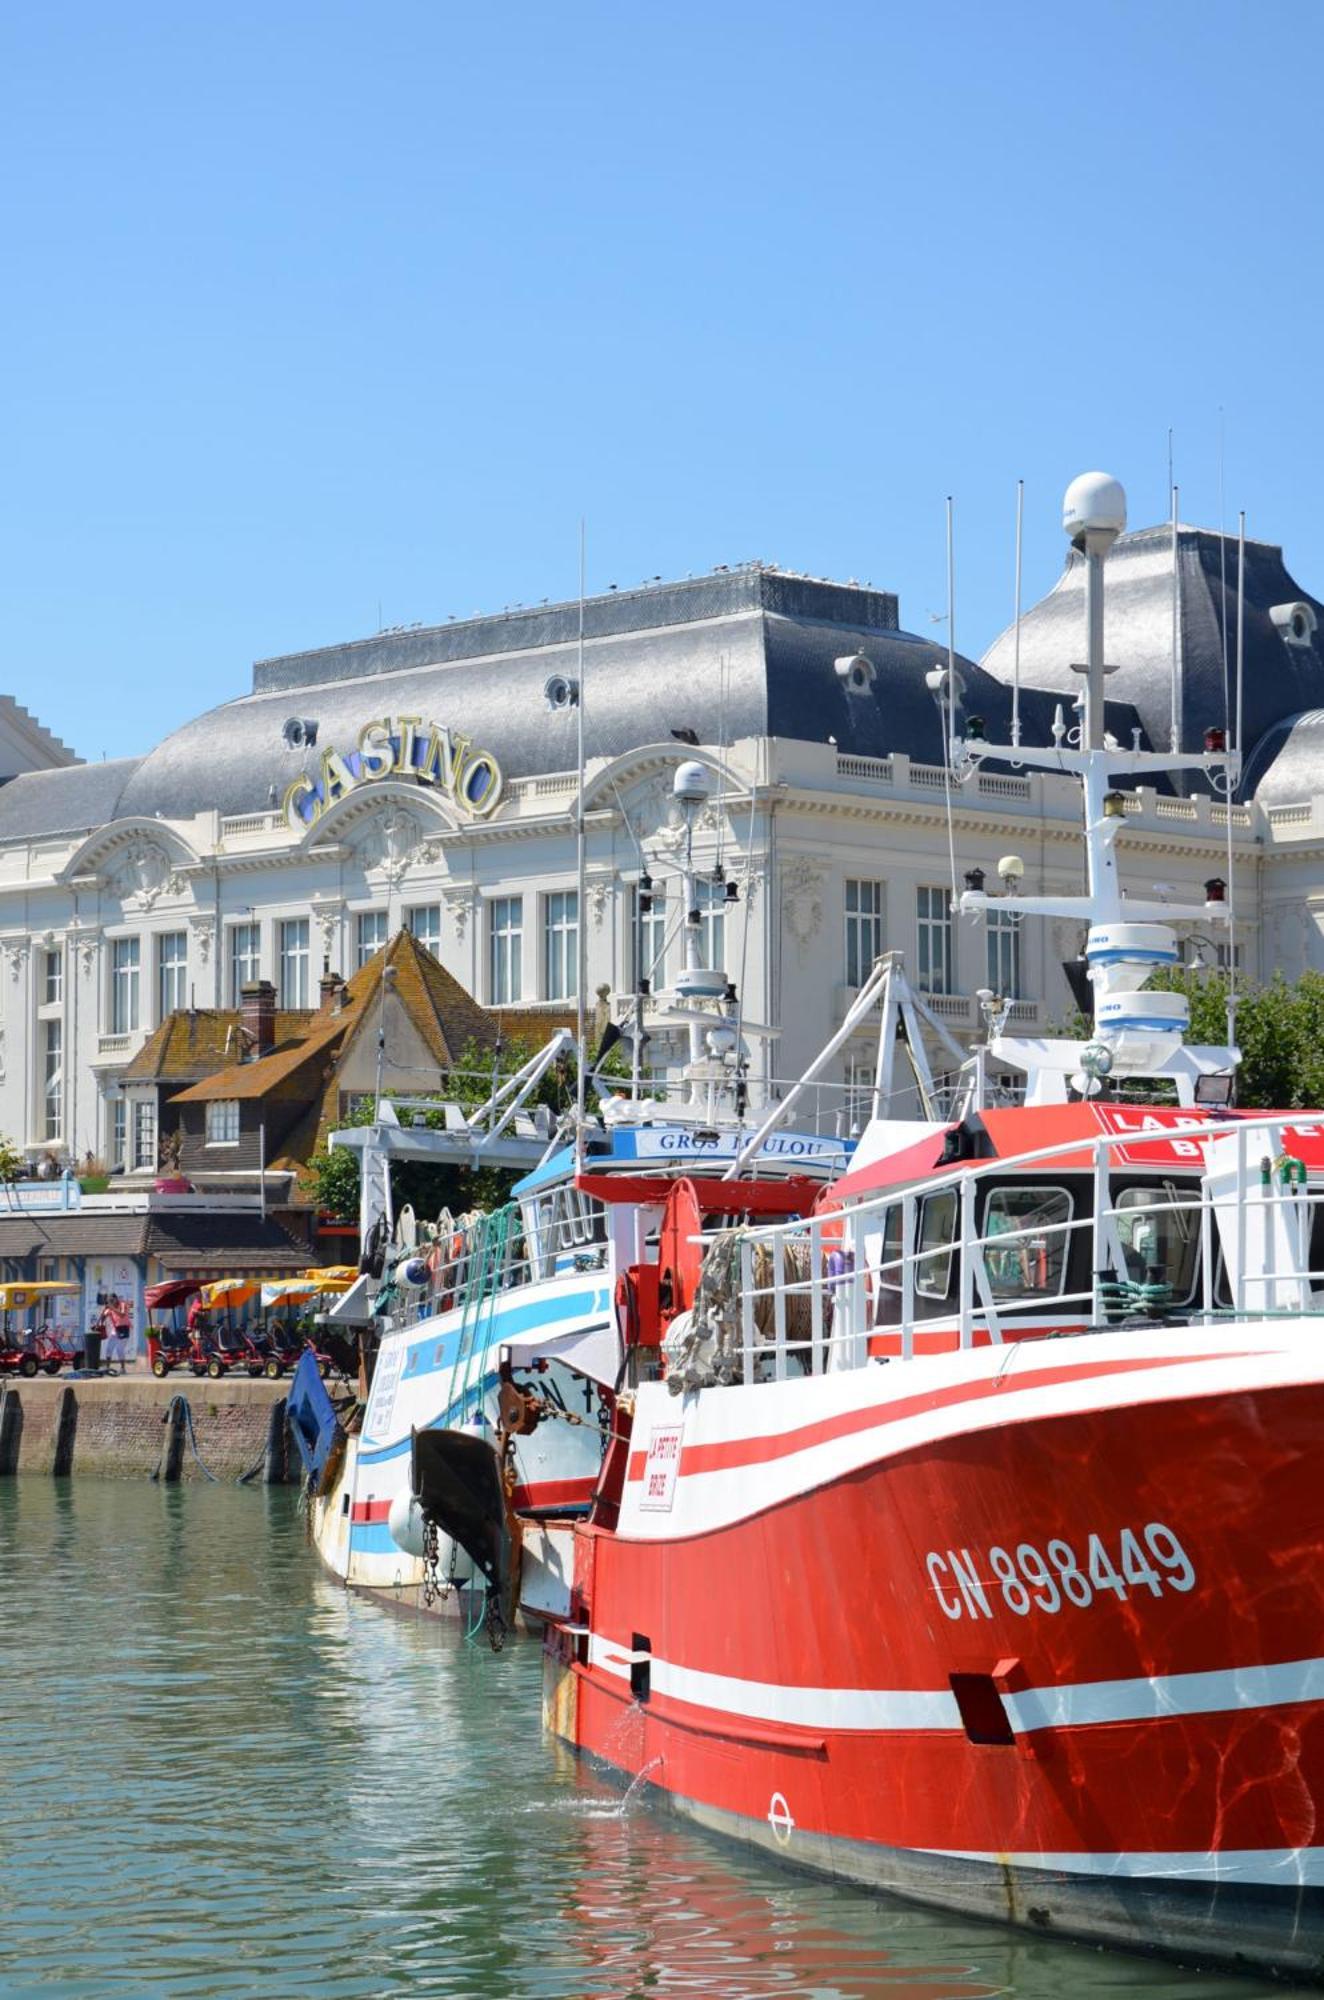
x=119 y=1132
x=864 y=929
x=505 y=950
x=125 y=958
x=425 y=924
x=294 y=962
x=52 y=978
x=144 y=1133
x=52 y=1079
x=648 y=937
x=1004 y=954
x=371 y=934
x=560 y=945
x=245 y=958
x=934 y=909
x=710 y=900
x=171 y=972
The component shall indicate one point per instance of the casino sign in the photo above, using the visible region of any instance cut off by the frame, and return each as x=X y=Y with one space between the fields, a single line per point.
x=399 y=747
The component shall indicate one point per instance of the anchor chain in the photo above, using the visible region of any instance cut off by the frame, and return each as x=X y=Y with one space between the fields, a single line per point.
x=432 y=1586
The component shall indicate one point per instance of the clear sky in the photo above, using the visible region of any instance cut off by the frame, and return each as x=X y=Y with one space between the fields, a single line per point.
x=323 y=316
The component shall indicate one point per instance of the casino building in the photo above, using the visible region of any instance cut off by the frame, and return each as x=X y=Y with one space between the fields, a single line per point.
x=425 y=780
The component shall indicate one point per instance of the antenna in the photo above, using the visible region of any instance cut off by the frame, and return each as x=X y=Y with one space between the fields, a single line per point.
x=1174 y=727
x=1016 y=628
x=580 y=883
x=1231 y=998
x=1222 y=550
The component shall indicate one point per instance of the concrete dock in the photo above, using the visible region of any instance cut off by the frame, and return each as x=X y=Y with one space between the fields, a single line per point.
x=130 y=1426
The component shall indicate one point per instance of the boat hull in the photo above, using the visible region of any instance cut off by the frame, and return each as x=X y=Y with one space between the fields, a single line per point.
x=1035 y=1636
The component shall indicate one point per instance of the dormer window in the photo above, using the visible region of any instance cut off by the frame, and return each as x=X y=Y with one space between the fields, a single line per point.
x=223 y=1122
x=1294 y=623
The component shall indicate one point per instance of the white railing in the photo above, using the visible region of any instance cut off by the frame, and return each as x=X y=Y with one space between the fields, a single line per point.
x=992 y=786
x=817 y=1292
x=874 y=770
x=466 y=1269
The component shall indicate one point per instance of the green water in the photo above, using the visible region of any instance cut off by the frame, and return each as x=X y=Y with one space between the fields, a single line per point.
x=221 y=1776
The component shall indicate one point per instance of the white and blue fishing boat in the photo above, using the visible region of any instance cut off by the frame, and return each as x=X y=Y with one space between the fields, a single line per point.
x=499 y=1341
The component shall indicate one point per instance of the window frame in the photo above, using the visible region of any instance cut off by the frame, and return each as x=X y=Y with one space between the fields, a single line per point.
x=296 y=955
x=1028 y=1295
x=363 y=950
x=1004 y=937
x=861 y=926
x=125 y=985
x=430 y=910
x=252 y=960
x=173 y=973
x=560 y=941
x=215 y=1107
x=931 y=922
x=52 y=1081
x=505 y=950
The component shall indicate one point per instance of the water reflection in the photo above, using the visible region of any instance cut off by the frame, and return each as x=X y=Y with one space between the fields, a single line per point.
x=233 y=1780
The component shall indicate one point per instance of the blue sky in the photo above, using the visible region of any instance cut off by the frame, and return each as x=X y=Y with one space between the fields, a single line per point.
x=324 y=316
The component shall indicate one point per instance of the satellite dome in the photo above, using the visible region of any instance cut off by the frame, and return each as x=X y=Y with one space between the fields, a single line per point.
x=1094 y=504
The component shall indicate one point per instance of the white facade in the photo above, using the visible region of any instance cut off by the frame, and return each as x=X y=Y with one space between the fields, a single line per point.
x=104 y=935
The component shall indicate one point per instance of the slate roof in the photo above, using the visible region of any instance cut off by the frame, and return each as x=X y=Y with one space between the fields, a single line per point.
x=73 y=798
x=188 y=1240
x=1287 y=767
x=1281 y=678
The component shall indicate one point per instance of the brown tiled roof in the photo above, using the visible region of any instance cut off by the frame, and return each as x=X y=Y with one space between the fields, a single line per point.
x=195 y=1041
x=266 y=1076
x=303 y=1066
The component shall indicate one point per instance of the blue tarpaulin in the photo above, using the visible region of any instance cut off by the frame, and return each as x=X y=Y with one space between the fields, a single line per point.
x=311 y=1415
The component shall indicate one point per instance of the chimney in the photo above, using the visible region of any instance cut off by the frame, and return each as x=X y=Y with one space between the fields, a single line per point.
x=257 y=999
x=328 y=987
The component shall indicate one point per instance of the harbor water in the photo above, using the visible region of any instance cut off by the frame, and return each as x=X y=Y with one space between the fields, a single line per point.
x=222 y=1776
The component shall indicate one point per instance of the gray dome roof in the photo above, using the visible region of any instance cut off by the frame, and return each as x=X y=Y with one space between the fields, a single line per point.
x=1287 y=768
x=1284 y=658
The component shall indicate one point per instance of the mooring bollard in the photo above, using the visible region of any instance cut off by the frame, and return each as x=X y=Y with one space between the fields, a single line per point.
x=66 y=1428
x=171 y=1463
x=11 y=1430
x=275 y=1466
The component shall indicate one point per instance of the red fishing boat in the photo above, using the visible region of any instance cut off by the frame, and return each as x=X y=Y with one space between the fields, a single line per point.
x=964 y=1540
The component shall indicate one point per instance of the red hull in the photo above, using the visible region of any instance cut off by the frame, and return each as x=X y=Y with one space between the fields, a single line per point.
x=1082 y=1645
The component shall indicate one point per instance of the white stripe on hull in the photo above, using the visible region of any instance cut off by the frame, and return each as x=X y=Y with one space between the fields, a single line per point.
x=1068 y=1706
x=1261 y=1867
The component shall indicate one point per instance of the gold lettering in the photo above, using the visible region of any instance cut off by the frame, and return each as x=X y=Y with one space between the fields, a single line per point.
x=406 y=724
x=290 y=805
x=376 y=750
x=337 y=778
x=480 y=784
x=442 y=759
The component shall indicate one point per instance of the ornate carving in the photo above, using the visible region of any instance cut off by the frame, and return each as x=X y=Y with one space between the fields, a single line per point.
x=802 y=901
x=328 y=917
x=459 y=902
x=142 y=874
x=391 y=842
x=204 y=934
x=599 y=891
x=659 y=820
x=18 y=960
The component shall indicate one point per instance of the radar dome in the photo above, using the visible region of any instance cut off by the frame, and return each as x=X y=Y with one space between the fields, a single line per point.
x=692 y=784
x=1095 y=504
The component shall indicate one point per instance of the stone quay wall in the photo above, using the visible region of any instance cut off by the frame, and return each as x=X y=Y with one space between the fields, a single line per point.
x=133 y=1425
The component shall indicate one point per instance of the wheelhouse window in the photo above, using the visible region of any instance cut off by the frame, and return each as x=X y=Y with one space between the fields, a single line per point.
x=864 y=929
x=294 y=962
x=936 y=1237
x=1004 y=954
x=125 y=958
x=1026 y=1254
x=371 y=934
x=934 y=922
x=424 y=922
x=171 y=972
x=245 y=958
x=505 y=936
x=223 y=1122
x=560 y=947
x=1158 y=1234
